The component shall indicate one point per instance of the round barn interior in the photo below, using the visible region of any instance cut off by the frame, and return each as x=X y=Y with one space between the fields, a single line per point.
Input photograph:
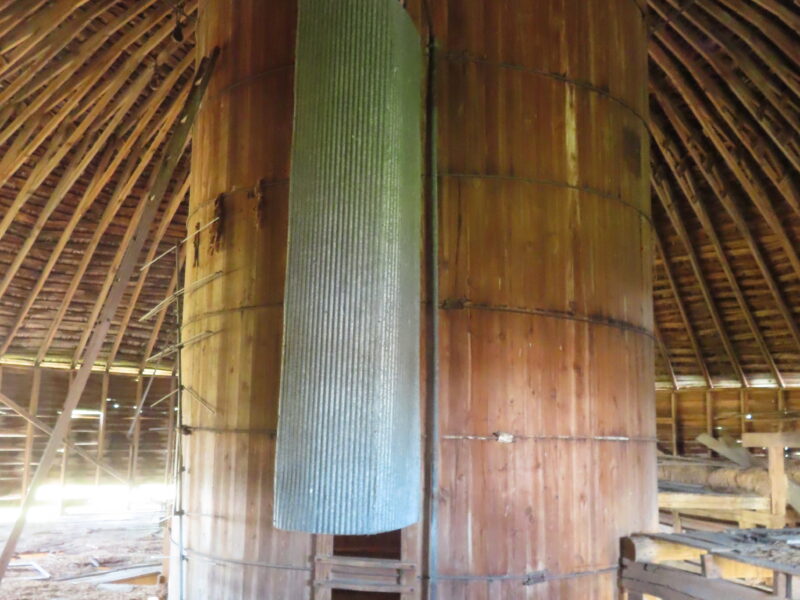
x=602 y=215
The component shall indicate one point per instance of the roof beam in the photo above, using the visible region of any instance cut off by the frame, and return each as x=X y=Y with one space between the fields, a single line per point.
x=774 y=124
x=136 y=164
x=763 y=153
x=169 y=213
x=29 y=32
x=737 y=164
x=665 y=356
x=665 y=196
x=782 y=12
x=147 y=125
x=689 y=189
x=16 y=12
x=32 y=62
x=701 y=363
x=43 y=70
x=81 y=88
x=768 y=27
x=86 y=152
x=717 y=184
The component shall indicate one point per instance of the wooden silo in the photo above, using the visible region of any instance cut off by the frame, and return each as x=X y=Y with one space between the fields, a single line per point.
x=546 y=421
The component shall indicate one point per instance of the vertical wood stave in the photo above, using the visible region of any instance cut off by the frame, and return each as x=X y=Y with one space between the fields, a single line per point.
x=545 y=282
x=242 y=137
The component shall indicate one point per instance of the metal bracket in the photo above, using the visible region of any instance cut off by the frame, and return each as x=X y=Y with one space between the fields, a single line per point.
x=259 y=193
x=218 y=227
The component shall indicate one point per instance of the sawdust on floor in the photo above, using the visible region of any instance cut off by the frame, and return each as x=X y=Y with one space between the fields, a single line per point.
x=73 y=547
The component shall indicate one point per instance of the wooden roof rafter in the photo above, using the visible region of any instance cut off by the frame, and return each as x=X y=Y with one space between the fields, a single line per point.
x=83 y=156
x=724 y=75
x=662 y=349
x=109 y=279
x=169 y=213
x=773 y=117
x=78 y=88
x=143 y=125
x=30 y=32
x=736 y=162
x=741 y=123
x=665 y=195
x=690 y=145
x=774 y=33
x=132 y=172
x=689 y=190
x=780 y=10
x=686 y=322
x=55 y=57
x=50 y=79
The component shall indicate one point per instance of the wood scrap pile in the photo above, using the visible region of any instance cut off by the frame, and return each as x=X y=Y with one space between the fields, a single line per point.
x=737 y=471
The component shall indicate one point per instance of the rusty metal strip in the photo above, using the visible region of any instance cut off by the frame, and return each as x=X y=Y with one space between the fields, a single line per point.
x=557 y=438
x=464 y=304
x=456 y=57
x=533 y=578
x=548 y=182
x=188 y=553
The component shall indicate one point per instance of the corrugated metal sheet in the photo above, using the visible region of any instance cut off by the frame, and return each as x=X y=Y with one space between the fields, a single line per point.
x=348 y=432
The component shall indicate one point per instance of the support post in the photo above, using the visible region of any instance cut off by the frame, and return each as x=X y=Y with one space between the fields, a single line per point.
x=781 y=407
x=62 y=478
x=170 y=455
x=101 y=427
x=673 y=405
x=779 y=486
x=321 y=569
x=33 y=406
x=133 y=455
x=709 y=416
x=777 y=483
x=742 y=411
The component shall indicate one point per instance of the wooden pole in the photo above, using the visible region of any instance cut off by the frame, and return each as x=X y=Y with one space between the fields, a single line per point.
x=172 y=154
x=101 y=428
x=781 y=400
x=33 y=406
x=133 y=457
x=744 y=405
x=709 y=404
x=673 y=405
x=170 y=453
x=62 y=478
